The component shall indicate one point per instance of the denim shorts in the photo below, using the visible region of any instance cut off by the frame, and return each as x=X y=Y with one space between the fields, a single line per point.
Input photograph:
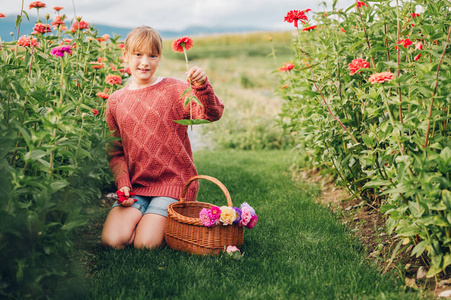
x=151 y=205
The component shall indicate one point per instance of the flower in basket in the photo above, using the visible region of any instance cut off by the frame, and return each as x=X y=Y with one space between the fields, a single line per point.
x=228 y=215
x=252 y=222
x=238 y=215
x=215 y=213
x=206 y=217
x=233 y=252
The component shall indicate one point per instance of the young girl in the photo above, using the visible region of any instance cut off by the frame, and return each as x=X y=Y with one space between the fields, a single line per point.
x=153 y=157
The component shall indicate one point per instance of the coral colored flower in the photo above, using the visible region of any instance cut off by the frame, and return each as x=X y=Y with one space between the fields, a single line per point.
x=230 y=249
x=205 y=218
x=419 y=46
x=238 y=215
x=26 y=41
x=246 y=216
x=2 y=15
x=342 y=29
x=104 y=38
x=286 y=67
x=61 y=50
x=125 y=71
x=309 y=28
x=417 y=57
x=182 y=43
x=100 y=59
x=252 y=222
x=228 y=215
x=113 y=79
x=360 y=4
x=96 y=65
x=58 y=8
x=356 y=65
x=79 y=26
x=381 y=77
x=293 y=16
x=40 y=28
x=121 y=46
x=103 y=95
x=285 y=86
x=37 y=4
x=58 y=22
x=405 y=43
x=95 y=112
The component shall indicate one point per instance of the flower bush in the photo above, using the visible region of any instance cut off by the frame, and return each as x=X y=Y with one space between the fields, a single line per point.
x=374 y=110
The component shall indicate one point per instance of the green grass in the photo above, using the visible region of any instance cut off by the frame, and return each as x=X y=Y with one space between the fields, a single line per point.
x=298 y=249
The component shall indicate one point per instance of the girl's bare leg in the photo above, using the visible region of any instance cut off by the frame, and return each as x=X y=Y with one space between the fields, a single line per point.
x=119 y=228
x=150 y=231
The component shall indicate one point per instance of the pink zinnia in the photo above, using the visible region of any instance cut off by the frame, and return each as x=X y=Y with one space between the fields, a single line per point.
x=419 y=46
x=215 y=212
x=61 y=50
x=252 y=222
x=205 y=218
x=246 y=216
x=58 y=8
x=356 y=65
x=58 y=21
x=37 y=4
x=40 y=28
x=113 y=79
x=381 y=77
x=286 y=67
x=26 y=41
x=293 y=16
x=103 y=95
x=79 y=26
x=182 y=43
x=96 y=65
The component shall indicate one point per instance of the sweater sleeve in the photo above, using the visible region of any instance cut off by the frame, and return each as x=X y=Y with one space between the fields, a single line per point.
x=212 y=107
x=116 y=158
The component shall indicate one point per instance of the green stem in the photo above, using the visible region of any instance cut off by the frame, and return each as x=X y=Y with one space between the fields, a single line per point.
x=189 y=95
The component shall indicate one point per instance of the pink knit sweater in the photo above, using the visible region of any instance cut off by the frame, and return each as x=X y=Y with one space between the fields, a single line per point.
x=153 y=156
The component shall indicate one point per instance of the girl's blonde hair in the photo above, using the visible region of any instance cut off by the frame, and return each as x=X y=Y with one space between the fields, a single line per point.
x=143 y=39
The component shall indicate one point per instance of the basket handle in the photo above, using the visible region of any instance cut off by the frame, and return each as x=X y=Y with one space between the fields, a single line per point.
x=212 y=179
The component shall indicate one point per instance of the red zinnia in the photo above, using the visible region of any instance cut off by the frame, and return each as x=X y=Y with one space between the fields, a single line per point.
x=356 y=65
x=342 y=29
x=58 y=21
x=121 y=46
x=103 y=95
x=37 y=4
x=125 y=71
x=79 y=26
x=405 y=43
x=58 y=8
x=40 y=28
x=26 y=41
x=415 y=15
x=113 y=79
x=360 y=4
x=182 y=43
x=286 y=67
x=381 y=77
x=95 y=112
x=2 y=15
x=294 y=15
x=417 y=57
x=309 y=28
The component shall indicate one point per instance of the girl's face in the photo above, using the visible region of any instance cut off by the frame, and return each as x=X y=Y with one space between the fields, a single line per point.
x=142 y=66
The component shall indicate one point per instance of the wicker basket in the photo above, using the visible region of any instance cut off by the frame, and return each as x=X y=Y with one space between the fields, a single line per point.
x=184 y=230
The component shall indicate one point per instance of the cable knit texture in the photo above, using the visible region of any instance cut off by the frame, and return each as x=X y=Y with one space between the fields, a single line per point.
x=153 y=156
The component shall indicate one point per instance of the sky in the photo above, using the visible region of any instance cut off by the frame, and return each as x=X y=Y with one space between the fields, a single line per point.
x=176 y=15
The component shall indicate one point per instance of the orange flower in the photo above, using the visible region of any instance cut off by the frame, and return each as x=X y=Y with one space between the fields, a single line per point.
x=181 y=44
x=104 y=38
x=113 y=79
x=40 y=28
x=102 y=95
x=293 y=16
x=100 y=59
x=381 y=77
x=2 y=15
x=417 y=57
x=96 y=65
x=58 y=8
x=26 y=41
x=79 y=25
x=309 y=28
x=286 y=67
x=58 y=21
x=356 y=65
x=37 y=4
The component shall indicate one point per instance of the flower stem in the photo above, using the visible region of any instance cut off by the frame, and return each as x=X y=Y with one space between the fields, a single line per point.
x=61 y=80
x=366 y=34
x=20 y=22
x=189 y=95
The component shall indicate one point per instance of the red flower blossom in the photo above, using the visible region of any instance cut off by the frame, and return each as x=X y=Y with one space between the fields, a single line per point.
x=293 y=16
x=79 y=25
x=356 y=65
x=419 y=46
x=342 y=29
x=96 y=65
x=286 y=67
x=26 y=41
x=58 y=8
x=37 y=4
x=123 y=71
x=113 y=79
x=100 y=59
x=405 y=43
x=309 y=28
x=121 y=46
x=40 y=28
x=104 y=38
x=417 y=57
x=285 y=86
x=103 y=95
x=381 y=77
x=414 y=15
x=182 y=43
x=95 y=112
x=360 y=4
x=58 y=21
x=61 y=50
x=2 y=15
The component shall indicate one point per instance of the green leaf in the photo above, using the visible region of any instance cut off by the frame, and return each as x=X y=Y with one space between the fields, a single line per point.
x=192 y=122
x=419 y=248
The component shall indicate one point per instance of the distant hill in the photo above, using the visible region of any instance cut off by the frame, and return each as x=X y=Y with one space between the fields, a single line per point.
x=7 y=25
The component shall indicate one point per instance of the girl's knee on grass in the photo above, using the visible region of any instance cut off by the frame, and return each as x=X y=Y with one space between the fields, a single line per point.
x=150 y=231
x=119 y=228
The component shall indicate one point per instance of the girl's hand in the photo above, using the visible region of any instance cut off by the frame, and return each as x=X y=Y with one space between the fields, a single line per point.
x=196 y=76
x=129 y=201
